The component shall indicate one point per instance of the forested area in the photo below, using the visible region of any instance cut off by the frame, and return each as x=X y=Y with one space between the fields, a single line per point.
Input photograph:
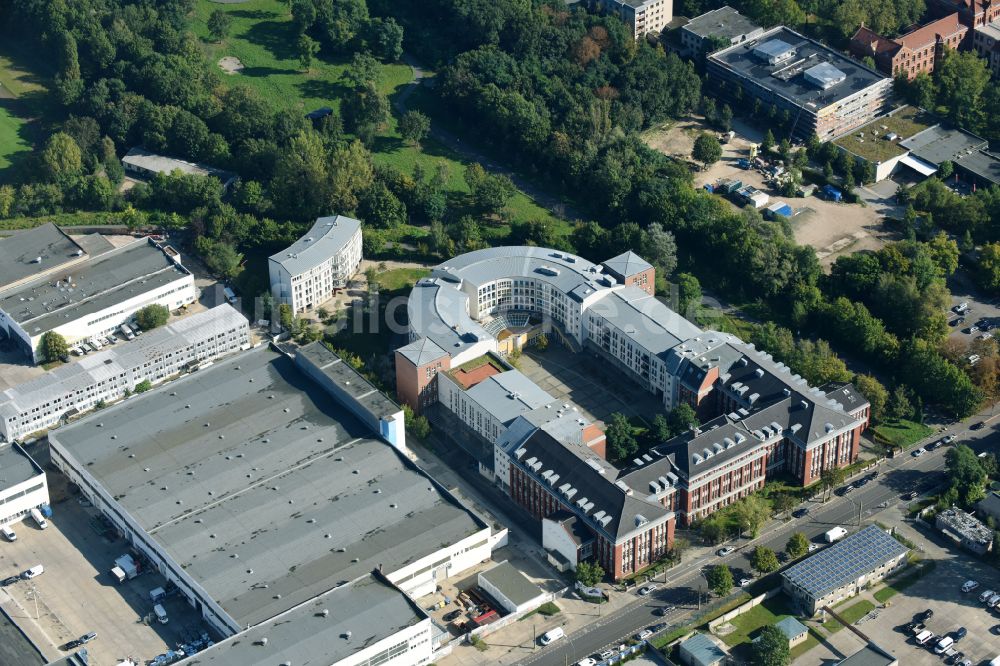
x=560 y=94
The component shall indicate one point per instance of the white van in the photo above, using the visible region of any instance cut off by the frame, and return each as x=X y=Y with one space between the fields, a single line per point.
x=924 y=636
x=39 y=519
x=552 y=635
x=36 y=570
x=8 y=533
x=161 y=614
x=944 y=644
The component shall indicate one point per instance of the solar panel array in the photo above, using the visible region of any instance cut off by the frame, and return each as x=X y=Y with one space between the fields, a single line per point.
x=845 y=561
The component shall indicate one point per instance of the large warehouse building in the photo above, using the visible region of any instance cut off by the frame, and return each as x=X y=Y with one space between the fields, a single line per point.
x=823 y=91
x=261 y=496
x=307 y=273
x=760 y=418
x=106 y=376
x=95 y=296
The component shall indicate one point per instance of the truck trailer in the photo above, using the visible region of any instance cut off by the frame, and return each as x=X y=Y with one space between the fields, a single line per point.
x=126 y=568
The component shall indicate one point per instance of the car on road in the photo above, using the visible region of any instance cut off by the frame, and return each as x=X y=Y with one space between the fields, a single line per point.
x=919 y=452
x=9 y=580
x=664 y=610
x=643 y=635
x=745 y=581
x=948 y=439
x=453 y=615
x=587 y=661
x=725 y=550
x=658 y=627
x=970 y=585
x=979 y=425
x=648 y=589
x=798 y=513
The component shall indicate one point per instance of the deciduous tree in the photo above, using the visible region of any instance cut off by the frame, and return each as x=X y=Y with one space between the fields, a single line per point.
x=720 y=580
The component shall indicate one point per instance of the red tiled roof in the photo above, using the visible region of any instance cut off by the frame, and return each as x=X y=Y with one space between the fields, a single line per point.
x=871 y=43
x=926 y=35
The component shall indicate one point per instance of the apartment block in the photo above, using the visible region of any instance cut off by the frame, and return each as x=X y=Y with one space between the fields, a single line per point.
x=986 y=42
x=719 y=25
x=641 y=16
x=311 y=270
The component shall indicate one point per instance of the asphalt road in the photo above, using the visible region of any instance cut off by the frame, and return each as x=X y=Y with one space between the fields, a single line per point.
x=683 y=585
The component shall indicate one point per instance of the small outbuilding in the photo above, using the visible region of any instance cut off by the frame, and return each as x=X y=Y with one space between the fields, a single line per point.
x=509 y=588
x=701 y=650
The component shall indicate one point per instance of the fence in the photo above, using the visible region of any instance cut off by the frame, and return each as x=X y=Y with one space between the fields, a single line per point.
x=743 y=608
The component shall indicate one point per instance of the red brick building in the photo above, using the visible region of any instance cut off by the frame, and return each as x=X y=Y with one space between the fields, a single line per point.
x=417 y=368
x=971 y=13
x=916 y=51
x=631 y=269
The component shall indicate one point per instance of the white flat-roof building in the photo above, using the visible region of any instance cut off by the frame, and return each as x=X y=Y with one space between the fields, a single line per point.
x=96 y=296
x=306 y=273
x=255 y=491
x=22 y=484
x=71 y=389
x=144 y=164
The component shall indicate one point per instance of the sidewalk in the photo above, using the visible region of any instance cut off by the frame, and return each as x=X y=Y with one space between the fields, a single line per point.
x=27 y=624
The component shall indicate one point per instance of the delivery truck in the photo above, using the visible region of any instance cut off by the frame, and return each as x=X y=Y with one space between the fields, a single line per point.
x=126 y=568
x=835 y=534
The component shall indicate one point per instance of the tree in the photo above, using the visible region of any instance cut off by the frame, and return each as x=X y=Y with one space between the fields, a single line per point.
x=362 y=72
x=620 y=437
x=660 y=248
x=143 y=386
x=490 y=192
x=899 y=405
x=365 y=112
x=763 y=560
x=832 y=477
x=751 y=513
x=541 y=342
x=966 y=475
x=418 y=426
x=681 y=418
x=782 y=502
x=589 y=573
x=69 y=85
x=661 y=429
x=707 y=149
x=770 y=648
x=221 y=258
x=988 y=267
x=688 y=295
x=385 y=37
x=797 y=546
x=286 y=318
x=218 y=24
x=414 y=126
x=767 y=145
x=961 y=80
x=720 y=580
x=53 y=346
x=380 y=208
x=874 y=392
x=61 y=157
x=152 y=316
x=712 y=530
x=307 y=48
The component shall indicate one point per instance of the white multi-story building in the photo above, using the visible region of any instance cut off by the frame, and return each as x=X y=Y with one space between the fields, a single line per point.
x=104 y=377
x=96 y=296
x=307 y=272
x=22 y=484
x=641 y=16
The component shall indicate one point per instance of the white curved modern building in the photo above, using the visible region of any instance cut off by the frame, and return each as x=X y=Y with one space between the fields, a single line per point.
x=758 y=418
x=306 y=273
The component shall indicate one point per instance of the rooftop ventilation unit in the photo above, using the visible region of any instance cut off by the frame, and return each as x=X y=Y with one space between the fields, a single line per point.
x=654 y=487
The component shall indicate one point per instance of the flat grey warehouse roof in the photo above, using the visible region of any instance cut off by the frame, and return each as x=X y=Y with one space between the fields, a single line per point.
x=114 y=277
x=249 y=466
x=16 y=466
x=369 y=608
x=786 y=79
x=19 y=252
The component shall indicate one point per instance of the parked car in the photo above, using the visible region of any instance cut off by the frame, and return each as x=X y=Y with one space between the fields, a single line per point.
x=911 y=495
x=587 y=661
x=813 y=546
x=956 y=322
x=658 y=627
x=934 y=445
x=996 y=629
x=453 y=615
x=36 y=570
x=552 y=635
x=798 y=513
x=82 y=640
x=10 y=580
x=955 y=658
x=994 y=600
x=745 y=581
x=646 y=590
x=643 y=635
x=979 y=425
x=985 y=596
x=664 y=610
x=919 y=452
x=606 y=654
x=926 y=615
x=948 y=439
x=960 y=633
x=970 y=585
x=725 y=550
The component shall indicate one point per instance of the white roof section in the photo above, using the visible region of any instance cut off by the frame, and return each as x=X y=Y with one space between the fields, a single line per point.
x=114 y=361
x=149 y=161
x=918 y=165
x=327 y=237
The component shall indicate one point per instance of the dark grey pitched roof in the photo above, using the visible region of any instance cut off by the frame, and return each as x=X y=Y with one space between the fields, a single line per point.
x=422 y=351
x=587 y=487
x=627 y=264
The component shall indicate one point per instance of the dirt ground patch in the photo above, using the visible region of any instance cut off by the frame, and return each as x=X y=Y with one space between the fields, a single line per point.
x=230 y=65
x=831 y=229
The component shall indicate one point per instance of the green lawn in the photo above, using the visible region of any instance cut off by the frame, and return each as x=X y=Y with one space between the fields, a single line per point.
x=902 y=433
x=11 y=137
x=851 y=614
x=20 y=93
x=399 y=278
x=747 y=625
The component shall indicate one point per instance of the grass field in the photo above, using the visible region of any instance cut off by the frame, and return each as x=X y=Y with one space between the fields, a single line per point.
x=902 y=433
x=263 y=37
x=400 y=278
x=851 y=614
x=20 y=90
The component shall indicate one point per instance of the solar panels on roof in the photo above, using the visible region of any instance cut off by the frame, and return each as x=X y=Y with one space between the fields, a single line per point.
x=774 y=51
x=824 y=75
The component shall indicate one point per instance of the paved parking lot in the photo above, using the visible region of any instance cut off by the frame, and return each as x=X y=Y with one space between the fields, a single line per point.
x=76 y=593
x=941 y=592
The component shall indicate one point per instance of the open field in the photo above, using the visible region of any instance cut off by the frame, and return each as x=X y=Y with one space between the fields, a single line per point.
x=902 y=433
x=19 y=89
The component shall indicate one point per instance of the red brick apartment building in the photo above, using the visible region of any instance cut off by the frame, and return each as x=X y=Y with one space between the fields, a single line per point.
x=917 y=51
x=972 y=13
